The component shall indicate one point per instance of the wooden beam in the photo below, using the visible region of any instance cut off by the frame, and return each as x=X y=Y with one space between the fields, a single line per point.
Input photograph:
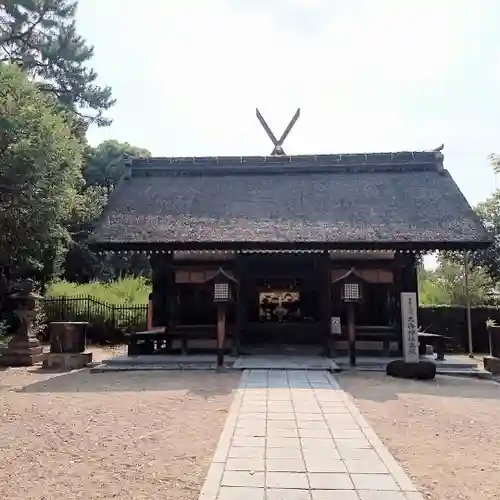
x=278 y=143
x=257 y=246
x=289 y=127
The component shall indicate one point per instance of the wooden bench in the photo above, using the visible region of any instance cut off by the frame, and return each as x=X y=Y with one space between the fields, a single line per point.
x=145 y=342
x=383 y=334
x=186 y=333
x=437 y=341
x=150 y=341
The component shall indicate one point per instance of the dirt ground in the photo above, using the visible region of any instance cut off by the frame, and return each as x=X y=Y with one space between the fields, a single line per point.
x=445 y=433
x=136 y=435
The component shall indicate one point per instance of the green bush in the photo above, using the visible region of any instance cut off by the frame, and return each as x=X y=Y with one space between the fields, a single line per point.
x=124 y=291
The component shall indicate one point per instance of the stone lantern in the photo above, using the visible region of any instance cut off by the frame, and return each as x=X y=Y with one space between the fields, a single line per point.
x=23 y=349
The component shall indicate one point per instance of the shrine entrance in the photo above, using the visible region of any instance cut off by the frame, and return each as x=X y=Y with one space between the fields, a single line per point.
x=283 y=302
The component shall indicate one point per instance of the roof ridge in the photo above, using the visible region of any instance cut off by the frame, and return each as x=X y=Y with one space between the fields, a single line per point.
x=289 y=164
x=349 y=158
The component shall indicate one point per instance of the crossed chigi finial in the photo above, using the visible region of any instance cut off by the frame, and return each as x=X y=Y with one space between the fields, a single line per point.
x=278 y=144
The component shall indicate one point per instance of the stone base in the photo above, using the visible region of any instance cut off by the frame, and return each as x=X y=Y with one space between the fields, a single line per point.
x=67 y=361
x=21 y=356
x=421 y=370
x=492 y=364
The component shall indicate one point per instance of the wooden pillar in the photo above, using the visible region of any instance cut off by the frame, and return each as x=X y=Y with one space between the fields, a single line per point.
x=397 y=288
x=240 y=271
x=171 y=295
x=325 y=299
x=162 y=280
x=158 y=291
x=405 y=280
x=150 y=312
x=409 y=273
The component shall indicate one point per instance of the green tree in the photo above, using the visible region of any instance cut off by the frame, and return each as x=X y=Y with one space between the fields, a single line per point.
x=104 y=167
x=40 y=36
x=446 y=285
x=429 y=290
x=40 y=176
x=489 y=213
x=105 y=163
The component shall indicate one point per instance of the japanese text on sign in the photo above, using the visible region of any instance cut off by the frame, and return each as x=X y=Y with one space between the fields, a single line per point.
x=409 y=325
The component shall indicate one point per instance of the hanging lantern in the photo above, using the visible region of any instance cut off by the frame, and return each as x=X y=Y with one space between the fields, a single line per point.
x=351 y=291
x=223 y=286
x=222 y=292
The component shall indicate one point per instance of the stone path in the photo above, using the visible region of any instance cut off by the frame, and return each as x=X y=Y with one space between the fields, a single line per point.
x=295 y=435
x=284 y=362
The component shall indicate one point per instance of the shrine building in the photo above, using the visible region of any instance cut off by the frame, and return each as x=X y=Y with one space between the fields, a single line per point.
x=301 y=237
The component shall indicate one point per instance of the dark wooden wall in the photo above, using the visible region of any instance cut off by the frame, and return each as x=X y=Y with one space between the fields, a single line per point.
x=162 y=280
x=314 y=271
x=310 y=270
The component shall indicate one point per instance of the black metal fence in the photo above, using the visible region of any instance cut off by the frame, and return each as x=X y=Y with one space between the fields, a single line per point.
x=451 y=321
x=107 y=322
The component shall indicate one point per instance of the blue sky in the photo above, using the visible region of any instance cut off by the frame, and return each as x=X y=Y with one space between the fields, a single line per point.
x=368 y=75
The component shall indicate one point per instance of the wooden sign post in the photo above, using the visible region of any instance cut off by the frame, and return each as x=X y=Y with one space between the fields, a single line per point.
x=223 y=284
x=351 y=322
x=351 y=294
x=221 y=334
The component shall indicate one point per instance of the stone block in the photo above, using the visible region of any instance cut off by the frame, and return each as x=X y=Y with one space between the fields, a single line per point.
x=67 y=361
x=21 y=352
x=494 y=332
x=422 y=370
x=67 y=336
x=25 y=358
x=492 y=364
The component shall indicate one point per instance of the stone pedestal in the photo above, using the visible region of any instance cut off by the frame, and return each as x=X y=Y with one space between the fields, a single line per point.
x=494 y=332
x=67 y=361
x=21 y=352
x=67 y=336
x=492 y=364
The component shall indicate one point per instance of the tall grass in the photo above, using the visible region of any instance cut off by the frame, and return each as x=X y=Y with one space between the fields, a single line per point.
x=123 y=291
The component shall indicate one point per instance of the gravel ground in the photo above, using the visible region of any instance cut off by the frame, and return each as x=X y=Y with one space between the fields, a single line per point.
x=446 y=433
x=136 y=435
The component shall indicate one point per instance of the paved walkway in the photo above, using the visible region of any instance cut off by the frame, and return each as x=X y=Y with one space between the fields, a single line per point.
x=284 y=362
x=295 y=435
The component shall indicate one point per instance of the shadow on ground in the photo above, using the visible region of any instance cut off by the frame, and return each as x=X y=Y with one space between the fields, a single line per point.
x=380 y=387
x=208 y=385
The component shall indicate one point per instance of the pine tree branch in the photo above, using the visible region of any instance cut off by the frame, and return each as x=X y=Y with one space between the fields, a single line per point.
x=42 y=39
x=29 y=31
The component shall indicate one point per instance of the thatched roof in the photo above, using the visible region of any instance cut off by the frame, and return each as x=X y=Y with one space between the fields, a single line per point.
x=374 y=200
